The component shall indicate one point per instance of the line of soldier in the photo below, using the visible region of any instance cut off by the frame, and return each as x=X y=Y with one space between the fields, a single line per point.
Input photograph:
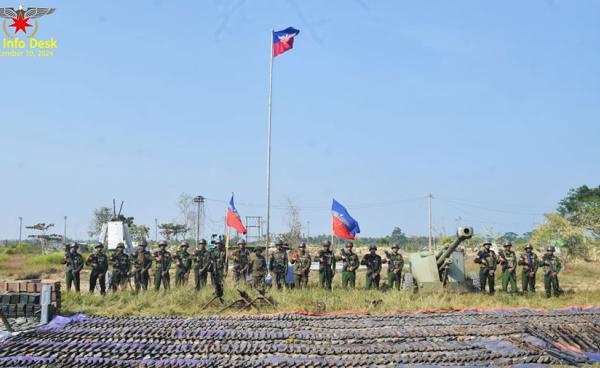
x=508 y=261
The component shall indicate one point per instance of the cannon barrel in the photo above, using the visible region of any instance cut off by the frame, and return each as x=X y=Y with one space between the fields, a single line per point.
x=462 y=234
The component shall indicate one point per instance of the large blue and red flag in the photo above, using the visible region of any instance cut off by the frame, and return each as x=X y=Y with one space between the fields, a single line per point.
x=284 y=40
x=233 y=218
x=344 y=226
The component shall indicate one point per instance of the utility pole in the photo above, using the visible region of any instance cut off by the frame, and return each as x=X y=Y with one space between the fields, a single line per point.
x=65 y=233
x=20 y=228
x=199 y=200
x=155 y=230
x=429 y=197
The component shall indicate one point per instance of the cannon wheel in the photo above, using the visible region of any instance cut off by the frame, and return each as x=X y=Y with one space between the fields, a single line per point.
x=408 y=282
x=473 y=281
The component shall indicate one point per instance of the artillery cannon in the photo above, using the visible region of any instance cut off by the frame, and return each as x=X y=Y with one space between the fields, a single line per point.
x=442 y=269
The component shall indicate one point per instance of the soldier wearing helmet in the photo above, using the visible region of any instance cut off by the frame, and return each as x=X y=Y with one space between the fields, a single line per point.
x=74 y=262
x=326 y=266
x=552 y=267
x=373 y=262
x=121 y=265
x=278 y=263
x=259 y=266
x=142 y=261
x=201 y=265
x=487 y=260
x=529 y=265
x=163 y=265
x=395 y=264
x=241 y=262
x=508 y=261
x=183 y=262
x=99 y=263
x=301 y=261
x=350 y=263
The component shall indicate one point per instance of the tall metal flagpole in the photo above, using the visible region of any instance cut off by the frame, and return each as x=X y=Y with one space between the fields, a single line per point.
x=268 y=237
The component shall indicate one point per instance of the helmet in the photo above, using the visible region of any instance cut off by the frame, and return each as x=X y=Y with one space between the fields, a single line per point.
x=258 y=249
x=143 y=243
x=302 y=245
x=487 y=244
x=395 y=246
x=528 y=246
x=279 y=242
x=326 y=243
x=242 y=241
x=184 y=244
x=349 y=245
x=162 y=244
x=372 y=246
x=74 y=245
x=202 y=241
x=550 y=248
x=121 y=245
x=218 y=241
x=99 y=245
x=507 y=244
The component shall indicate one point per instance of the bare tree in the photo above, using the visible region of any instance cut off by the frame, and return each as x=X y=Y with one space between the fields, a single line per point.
x=292 y=216
x=187 y=210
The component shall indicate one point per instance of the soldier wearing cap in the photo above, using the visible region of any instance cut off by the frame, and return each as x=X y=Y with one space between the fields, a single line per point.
x=121 y=268
x=326 y=266
x=163 y=265
x=552 y=267
x=278 y=264
x=142 y=261
x=74 y=262
x=508 y=261
x=350 y=264
x=530 y=263
x=487 y=260
x=395 y=264
x=373 y=262
x=99 y=263
x=201 y=264
x=301 y=261
x=241 y=262
x=258 y=264
x=183 y=262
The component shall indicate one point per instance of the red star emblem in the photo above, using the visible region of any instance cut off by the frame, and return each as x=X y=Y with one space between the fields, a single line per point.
x=20 y=24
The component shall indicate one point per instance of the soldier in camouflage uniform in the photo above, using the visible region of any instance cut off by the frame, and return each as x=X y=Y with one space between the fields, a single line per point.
x=373 y=262
x=183 y=262
x=121 y=267
x=552 y=267
x=163 y=265
x=301 y=264
x=258 y=264
x=487 y=260
x=241 y=262
x=350 y=264
x=74 y=262
x=218 y=267
x=278 y=264
x=99 y=263
x=326 y=266
x=201 y=265
x=508 y=261
x=142 y=261
x=530 y=263
x=395 y=264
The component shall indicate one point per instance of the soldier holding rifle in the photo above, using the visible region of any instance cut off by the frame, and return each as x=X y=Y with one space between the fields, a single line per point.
x=395 y=264
x=74 y=262
x=373 y=262
x=530 y=263
x=350 y=265
x=487 y=260
x=552 y=267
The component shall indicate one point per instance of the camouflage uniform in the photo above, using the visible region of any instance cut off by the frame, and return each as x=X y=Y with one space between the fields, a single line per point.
x=278 y=264
x=241 y=263
x=486 y=258
x=552 y=267
x=395 y=265
x=218 y=268
x=183 y=264
x=163 y=265
x=373 y=262
x=201 y=266
x=99 y=263
x=302 y=267
x=326 y=266
x=508 y=260
x=121 y=267
x=142 y=261
x=74 y=262
x=530 y=263
x=258 y=263
x=350 y=264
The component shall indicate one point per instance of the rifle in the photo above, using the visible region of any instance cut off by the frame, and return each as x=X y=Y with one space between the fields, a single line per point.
x=550 y=268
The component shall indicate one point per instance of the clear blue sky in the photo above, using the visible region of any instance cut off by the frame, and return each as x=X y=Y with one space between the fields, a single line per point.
x=492 y=107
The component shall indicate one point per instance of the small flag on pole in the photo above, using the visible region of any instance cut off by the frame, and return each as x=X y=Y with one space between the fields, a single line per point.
x=284 y=40
x=233 y=218
x=344 y=226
